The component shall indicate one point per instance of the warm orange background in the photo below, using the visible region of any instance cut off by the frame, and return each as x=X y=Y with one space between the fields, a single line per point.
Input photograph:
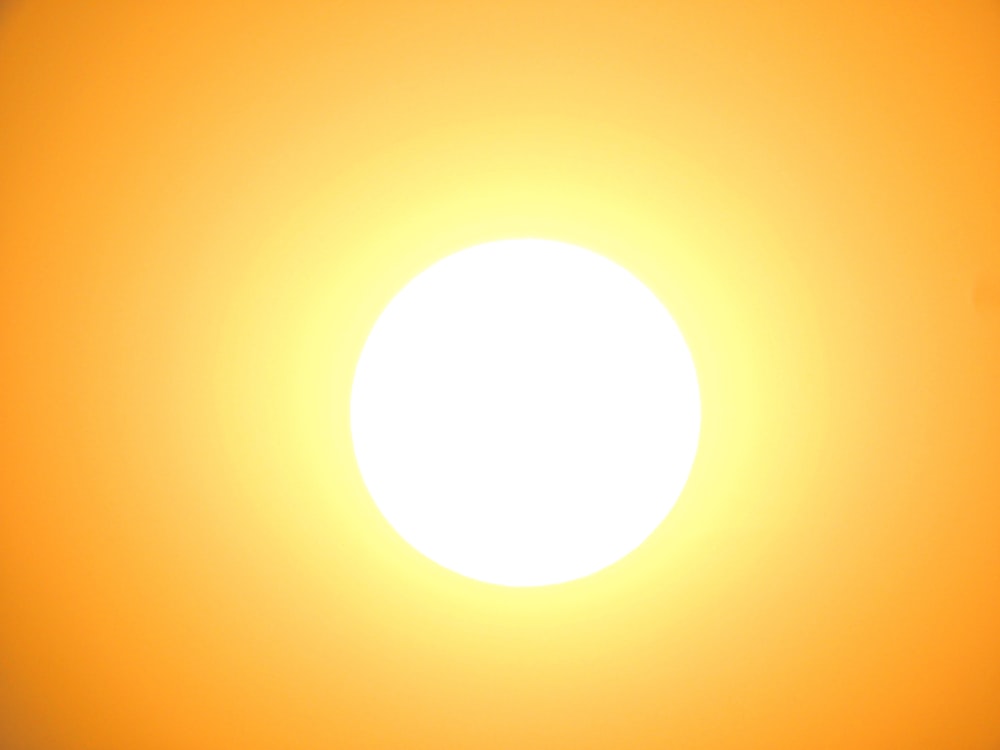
x=203 y=207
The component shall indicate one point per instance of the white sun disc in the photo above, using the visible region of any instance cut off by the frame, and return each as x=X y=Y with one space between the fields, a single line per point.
x=525 y=412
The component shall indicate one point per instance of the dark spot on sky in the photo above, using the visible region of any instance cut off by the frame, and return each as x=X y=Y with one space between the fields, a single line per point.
x=6 y=6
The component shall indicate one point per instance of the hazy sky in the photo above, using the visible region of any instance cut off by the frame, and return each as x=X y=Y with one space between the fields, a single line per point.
x=203 y=208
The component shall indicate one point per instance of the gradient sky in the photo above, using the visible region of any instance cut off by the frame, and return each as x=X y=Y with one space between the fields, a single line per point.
x=203 y=208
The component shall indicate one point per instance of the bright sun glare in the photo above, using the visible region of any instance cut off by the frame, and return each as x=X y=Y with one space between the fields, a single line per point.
x=525 y=412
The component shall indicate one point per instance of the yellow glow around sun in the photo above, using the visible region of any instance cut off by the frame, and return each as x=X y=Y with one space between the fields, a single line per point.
x=525 y=412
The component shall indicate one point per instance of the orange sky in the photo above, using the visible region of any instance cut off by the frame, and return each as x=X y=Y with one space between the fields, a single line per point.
x=203 y=207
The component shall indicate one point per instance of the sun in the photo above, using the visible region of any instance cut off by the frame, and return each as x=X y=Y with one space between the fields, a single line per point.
x=525 y=412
